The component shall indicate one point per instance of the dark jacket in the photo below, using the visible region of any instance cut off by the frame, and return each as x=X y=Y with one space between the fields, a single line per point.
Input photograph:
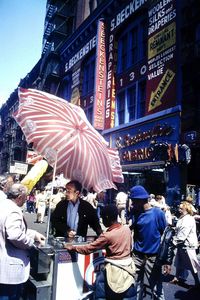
x=166 y=251
x=87 y=216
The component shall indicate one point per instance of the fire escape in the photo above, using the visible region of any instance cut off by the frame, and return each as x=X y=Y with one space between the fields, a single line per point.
x=59 y=25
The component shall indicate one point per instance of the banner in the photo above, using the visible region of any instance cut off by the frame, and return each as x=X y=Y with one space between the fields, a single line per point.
x=100 y=78
x=161 y=83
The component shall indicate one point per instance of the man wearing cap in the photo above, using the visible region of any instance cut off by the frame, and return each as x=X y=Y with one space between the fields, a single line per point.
x=148 y=224
x=15 y=240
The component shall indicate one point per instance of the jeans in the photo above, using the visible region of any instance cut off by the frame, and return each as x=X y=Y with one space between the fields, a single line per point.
x=148 y=274
x=102 y=290
x=10 y=291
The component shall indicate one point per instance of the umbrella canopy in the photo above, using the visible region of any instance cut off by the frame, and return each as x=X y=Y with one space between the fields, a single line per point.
x=61 y=133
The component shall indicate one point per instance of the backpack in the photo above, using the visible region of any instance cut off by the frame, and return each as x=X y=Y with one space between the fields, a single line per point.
x=165 y=253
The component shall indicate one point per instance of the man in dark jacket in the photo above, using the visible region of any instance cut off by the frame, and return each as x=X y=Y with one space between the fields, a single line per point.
x=73 y=215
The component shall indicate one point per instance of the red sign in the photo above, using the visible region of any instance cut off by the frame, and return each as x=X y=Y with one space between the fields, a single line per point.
x=100 y=77
x=110 y=85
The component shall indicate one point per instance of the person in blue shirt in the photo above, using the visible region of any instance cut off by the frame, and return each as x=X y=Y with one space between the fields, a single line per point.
x=148 y=225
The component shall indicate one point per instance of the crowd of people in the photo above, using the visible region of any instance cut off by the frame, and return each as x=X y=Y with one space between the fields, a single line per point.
x=131 y=228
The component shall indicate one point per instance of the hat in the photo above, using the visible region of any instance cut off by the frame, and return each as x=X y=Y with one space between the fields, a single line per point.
x=138 y=192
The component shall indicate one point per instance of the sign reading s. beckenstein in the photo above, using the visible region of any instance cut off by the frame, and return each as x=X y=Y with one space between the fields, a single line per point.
x=100 y=78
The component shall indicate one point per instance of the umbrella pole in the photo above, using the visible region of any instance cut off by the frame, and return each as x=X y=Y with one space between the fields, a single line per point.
x=49 y=210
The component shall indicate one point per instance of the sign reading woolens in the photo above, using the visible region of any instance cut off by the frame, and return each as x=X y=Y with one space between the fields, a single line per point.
x=80 y=54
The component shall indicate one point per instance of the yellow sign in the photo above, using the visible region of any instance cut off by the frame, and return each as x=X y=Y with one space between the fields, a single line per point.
x=155 y=99
x=75 y=98
x=162 y=40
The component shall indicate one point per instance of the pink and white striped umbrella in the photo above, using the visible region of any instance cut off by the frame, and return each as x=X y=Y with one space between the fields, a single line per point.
x=62 y=134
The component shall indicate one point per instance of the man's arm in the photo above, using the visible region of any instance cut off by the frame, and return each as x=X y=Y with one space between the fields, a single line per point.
x=98 y=244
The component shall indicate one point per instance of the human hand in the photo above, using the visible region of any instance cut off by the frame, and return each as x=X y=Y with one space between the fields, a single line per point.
x=167 y=269
x=68 y=247
x=40 y=239
x=71 y=233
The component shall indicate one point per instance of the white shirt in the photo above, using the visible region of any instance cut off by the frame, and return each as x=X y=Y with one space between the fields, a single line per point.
x=186 y=231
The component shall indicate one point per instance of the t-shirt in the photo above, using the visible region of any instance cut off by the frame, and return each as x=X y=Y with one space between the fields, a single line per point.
x=148 y=228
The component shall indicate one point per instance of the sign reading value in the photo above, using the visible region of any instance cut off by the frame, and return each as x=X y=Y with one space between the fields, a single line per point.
x=161 y=83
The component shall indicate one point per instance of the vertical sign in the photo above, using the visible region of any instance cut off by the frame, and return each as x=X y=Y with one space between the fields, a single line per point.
x=76 y=84
x=161 y=83
x=110 y=85
x=100 y=78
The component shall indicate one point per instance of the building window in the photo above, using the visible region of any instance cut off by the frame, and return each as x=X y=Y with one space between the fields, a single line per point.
x=89 y=114
x=143 y=42
x=88 y=75
x=131 y=100
x=131 y=103
x=66 y=91
x=121 y=107
x=132 y=45
x=141 y=99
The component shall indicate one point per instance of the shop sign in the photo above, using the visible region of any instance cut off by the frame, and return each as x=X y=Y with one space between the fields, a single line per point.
x=153 y=133
x=125 y=13
x=19 y=168
x=110 y=84
x=80 y=54
x=161 y=73
x=100 y=78
x=141 y=142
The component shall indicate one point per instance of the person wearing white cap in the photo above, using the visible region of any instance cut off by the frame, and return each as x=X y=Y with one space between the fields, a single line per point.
x=148 y=225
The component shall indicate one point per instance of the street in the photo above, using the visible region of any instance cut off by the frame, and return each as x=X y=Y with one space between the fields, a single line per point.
x=172 y=291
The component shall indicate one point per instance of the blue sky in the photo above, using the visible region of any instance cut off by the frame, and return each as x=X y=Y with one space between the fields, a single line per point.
x=21 y=32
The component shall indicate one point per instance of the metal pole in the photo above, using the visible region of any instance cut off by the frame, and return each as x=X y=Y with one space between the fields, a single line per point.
x=49 y=210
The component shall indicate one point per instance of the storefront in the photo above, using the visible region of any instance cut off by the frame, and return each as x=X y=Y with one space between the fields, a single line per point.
x=149 y=153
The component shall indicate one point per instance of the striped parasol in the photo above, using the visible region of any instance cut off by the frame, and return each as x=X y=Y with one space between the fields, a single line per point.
x=62 y=134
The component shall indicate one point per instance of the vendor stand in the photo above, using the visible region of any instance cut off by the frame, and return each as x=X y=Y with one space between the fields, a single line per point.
x=56 y=272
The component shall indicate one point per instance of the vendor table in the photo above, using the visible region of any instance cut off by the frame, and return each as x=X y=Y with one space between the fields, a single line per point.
x=58 y=274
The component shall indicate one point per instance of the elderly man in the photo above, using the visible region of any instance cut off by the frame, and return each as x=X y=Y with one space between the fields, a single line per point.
x=73 y=215
x=15 y=240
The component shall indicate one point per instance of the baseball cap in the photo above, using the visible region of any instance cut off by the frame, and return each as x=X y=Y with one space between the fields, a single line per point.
x=138 y=192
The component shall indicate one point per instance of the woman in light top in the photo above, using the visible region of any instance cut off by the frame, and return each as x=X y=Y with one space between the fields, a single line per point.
x=186 y=242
